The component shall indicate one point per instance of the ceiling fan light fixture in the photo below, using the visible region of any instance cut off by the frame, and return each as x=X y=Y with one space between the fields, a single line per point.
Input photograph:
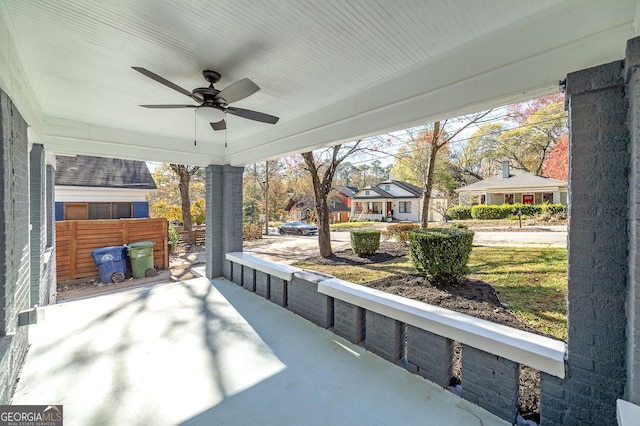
x=210 y=114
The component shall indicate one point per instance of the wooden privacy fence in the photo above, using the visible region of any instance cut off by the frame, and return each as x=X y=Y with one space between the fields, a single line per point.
x=76 y=239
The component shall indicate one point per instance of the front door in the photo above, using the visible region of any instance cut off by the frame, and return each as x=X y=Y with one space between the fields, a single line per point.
x=527 y=199
x=389 y=208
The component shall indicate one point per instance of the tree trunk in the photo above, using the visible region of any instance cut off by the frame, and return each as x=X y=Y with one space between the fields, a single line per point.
x=426 y=195
x=324 y=230
x=184 y=179
x=185 y=201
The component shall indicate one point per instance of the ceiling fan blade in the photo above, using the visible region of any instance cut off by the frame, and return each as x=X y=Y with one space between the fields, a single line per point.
x=238 y=90
x=252 y=115
x=167 y=83
x=220 y=125
x=168 y=106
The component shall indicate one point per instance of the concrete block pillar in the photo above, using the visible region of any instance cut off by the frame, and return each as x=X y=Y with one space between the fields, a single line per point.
x=599 y=172
x=223 y=217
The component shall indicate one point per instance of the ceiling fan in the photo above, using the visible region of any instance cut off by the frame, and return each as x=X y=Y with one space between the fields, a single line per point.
x=214 y=103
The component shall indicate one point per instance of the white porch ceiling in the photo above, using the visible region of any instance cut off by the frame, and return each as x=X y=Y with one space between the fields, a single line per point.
x=332 y=70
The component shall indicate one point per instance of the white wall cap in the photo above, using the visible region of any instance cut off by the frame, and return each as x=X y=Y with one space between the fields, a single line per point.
x=272 y=268
x=542 y=353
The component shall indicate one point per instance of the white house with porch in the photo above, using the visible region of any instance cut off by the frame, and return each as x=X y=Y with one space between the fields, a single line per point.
x=67 y=87
x=396 y=200
x=514 y=186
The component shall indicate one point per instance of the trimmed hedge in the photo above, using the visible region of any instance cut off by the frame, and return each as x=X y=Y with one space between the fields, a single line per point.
x=483 y=211
x=365 y=242
x=459 y=213
x=400 y=230
x=441 y=254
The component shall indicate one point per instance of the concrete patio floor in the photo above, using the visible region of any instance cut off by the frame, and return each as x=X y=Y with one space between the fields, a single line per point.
x=209 y=352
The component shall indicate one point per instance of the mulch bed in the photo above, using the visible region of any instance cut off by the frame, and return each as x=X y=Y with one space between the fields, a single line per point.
x=471 y=297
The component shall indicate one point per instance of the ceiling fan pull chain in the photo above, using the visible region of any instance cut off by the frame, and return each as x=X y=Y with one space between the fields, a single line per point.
x=195 y=134
x=226 y=131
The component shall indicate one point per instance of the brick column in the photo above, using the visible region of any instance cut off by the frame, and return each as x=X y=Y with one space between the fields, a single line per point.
x=598 y=266
x=223 y=217
x=632 y=75
x=50 y=193
x=38 y=221
x=14 y=243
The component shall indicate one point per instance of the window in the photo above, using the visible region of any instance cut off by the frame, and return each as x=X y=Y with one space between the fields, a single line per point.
x=547 y=197
x=366 y=193
x=99 y=211
x=387 y=187
x=110 y=211
x=120 y=210
x=508 y=198
x=483 y=199
x=404 y=207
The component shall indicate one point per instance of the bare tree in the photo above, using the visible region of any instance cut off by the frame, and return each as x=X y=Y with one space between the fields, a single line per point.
x=322 y=168
x=420 y=151
x=185 y=173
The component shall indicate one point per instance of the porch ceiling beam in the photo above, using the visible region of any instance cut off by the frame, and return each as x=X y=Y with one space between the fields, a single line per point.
x=72 y=137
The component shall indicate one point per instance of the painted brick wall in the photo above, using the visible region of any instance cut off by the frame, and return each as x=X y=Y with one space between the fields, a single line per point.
x=303 y=299
x=14 y=243
x=490 y=381
x=598 y=265
x=38 y=221
x=349 y=321
x=223 y=217
x=429 y=355
x=632 y=73
x=385 y=337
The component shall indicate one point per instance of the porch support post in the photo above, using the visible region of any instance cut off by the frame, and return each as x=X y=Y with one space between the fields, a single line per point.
x=38 y=221
x=598 y=269
x=632 y=75
x=223 y=217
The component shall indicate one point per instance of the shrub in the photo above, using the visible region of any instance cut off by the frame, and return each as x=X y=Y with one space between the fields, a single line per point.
x=459 y=226
x=484 y=212
x=198 y=209
x=365 y=242
x=174 y=237
x=459 y=213
x=441 y=254
x=251 y=231
x=400 y=230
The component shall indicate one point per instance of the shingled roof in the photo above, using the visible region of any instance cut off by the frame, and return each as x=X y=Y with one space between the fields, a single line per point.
x=84 y=170
x=516 y=179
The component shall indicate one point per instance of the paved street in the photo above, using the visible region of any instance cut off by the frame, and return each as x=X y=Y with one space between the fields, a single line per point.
x=289 y=249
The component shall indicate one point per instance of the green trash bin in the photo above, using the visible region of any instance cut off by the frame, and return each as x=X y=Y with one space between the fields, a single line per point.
x=141 y=255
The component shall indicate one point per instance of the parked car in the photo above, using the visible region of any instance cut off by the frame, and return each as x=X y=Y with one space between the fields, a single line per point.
x=297 y=227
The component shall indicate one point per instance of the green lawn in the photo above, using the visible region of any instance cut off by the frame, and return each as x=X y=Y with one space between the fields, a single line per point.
x=531 y=281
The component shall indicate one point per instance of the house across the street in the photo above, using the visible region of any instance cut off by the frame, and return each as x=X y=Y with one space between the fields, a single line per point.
x=393 y=199
x=101 y=188
x=514 y=186
x=302 y=207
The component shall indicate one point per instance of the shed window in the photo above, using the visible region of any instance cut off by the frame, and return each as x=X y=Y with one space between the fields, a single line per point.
x=99 y=211
x=110 y=211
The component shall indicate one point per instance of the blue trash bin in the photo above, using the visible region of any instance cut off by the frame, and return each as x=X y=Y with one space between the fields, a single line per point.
x=112 y=263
